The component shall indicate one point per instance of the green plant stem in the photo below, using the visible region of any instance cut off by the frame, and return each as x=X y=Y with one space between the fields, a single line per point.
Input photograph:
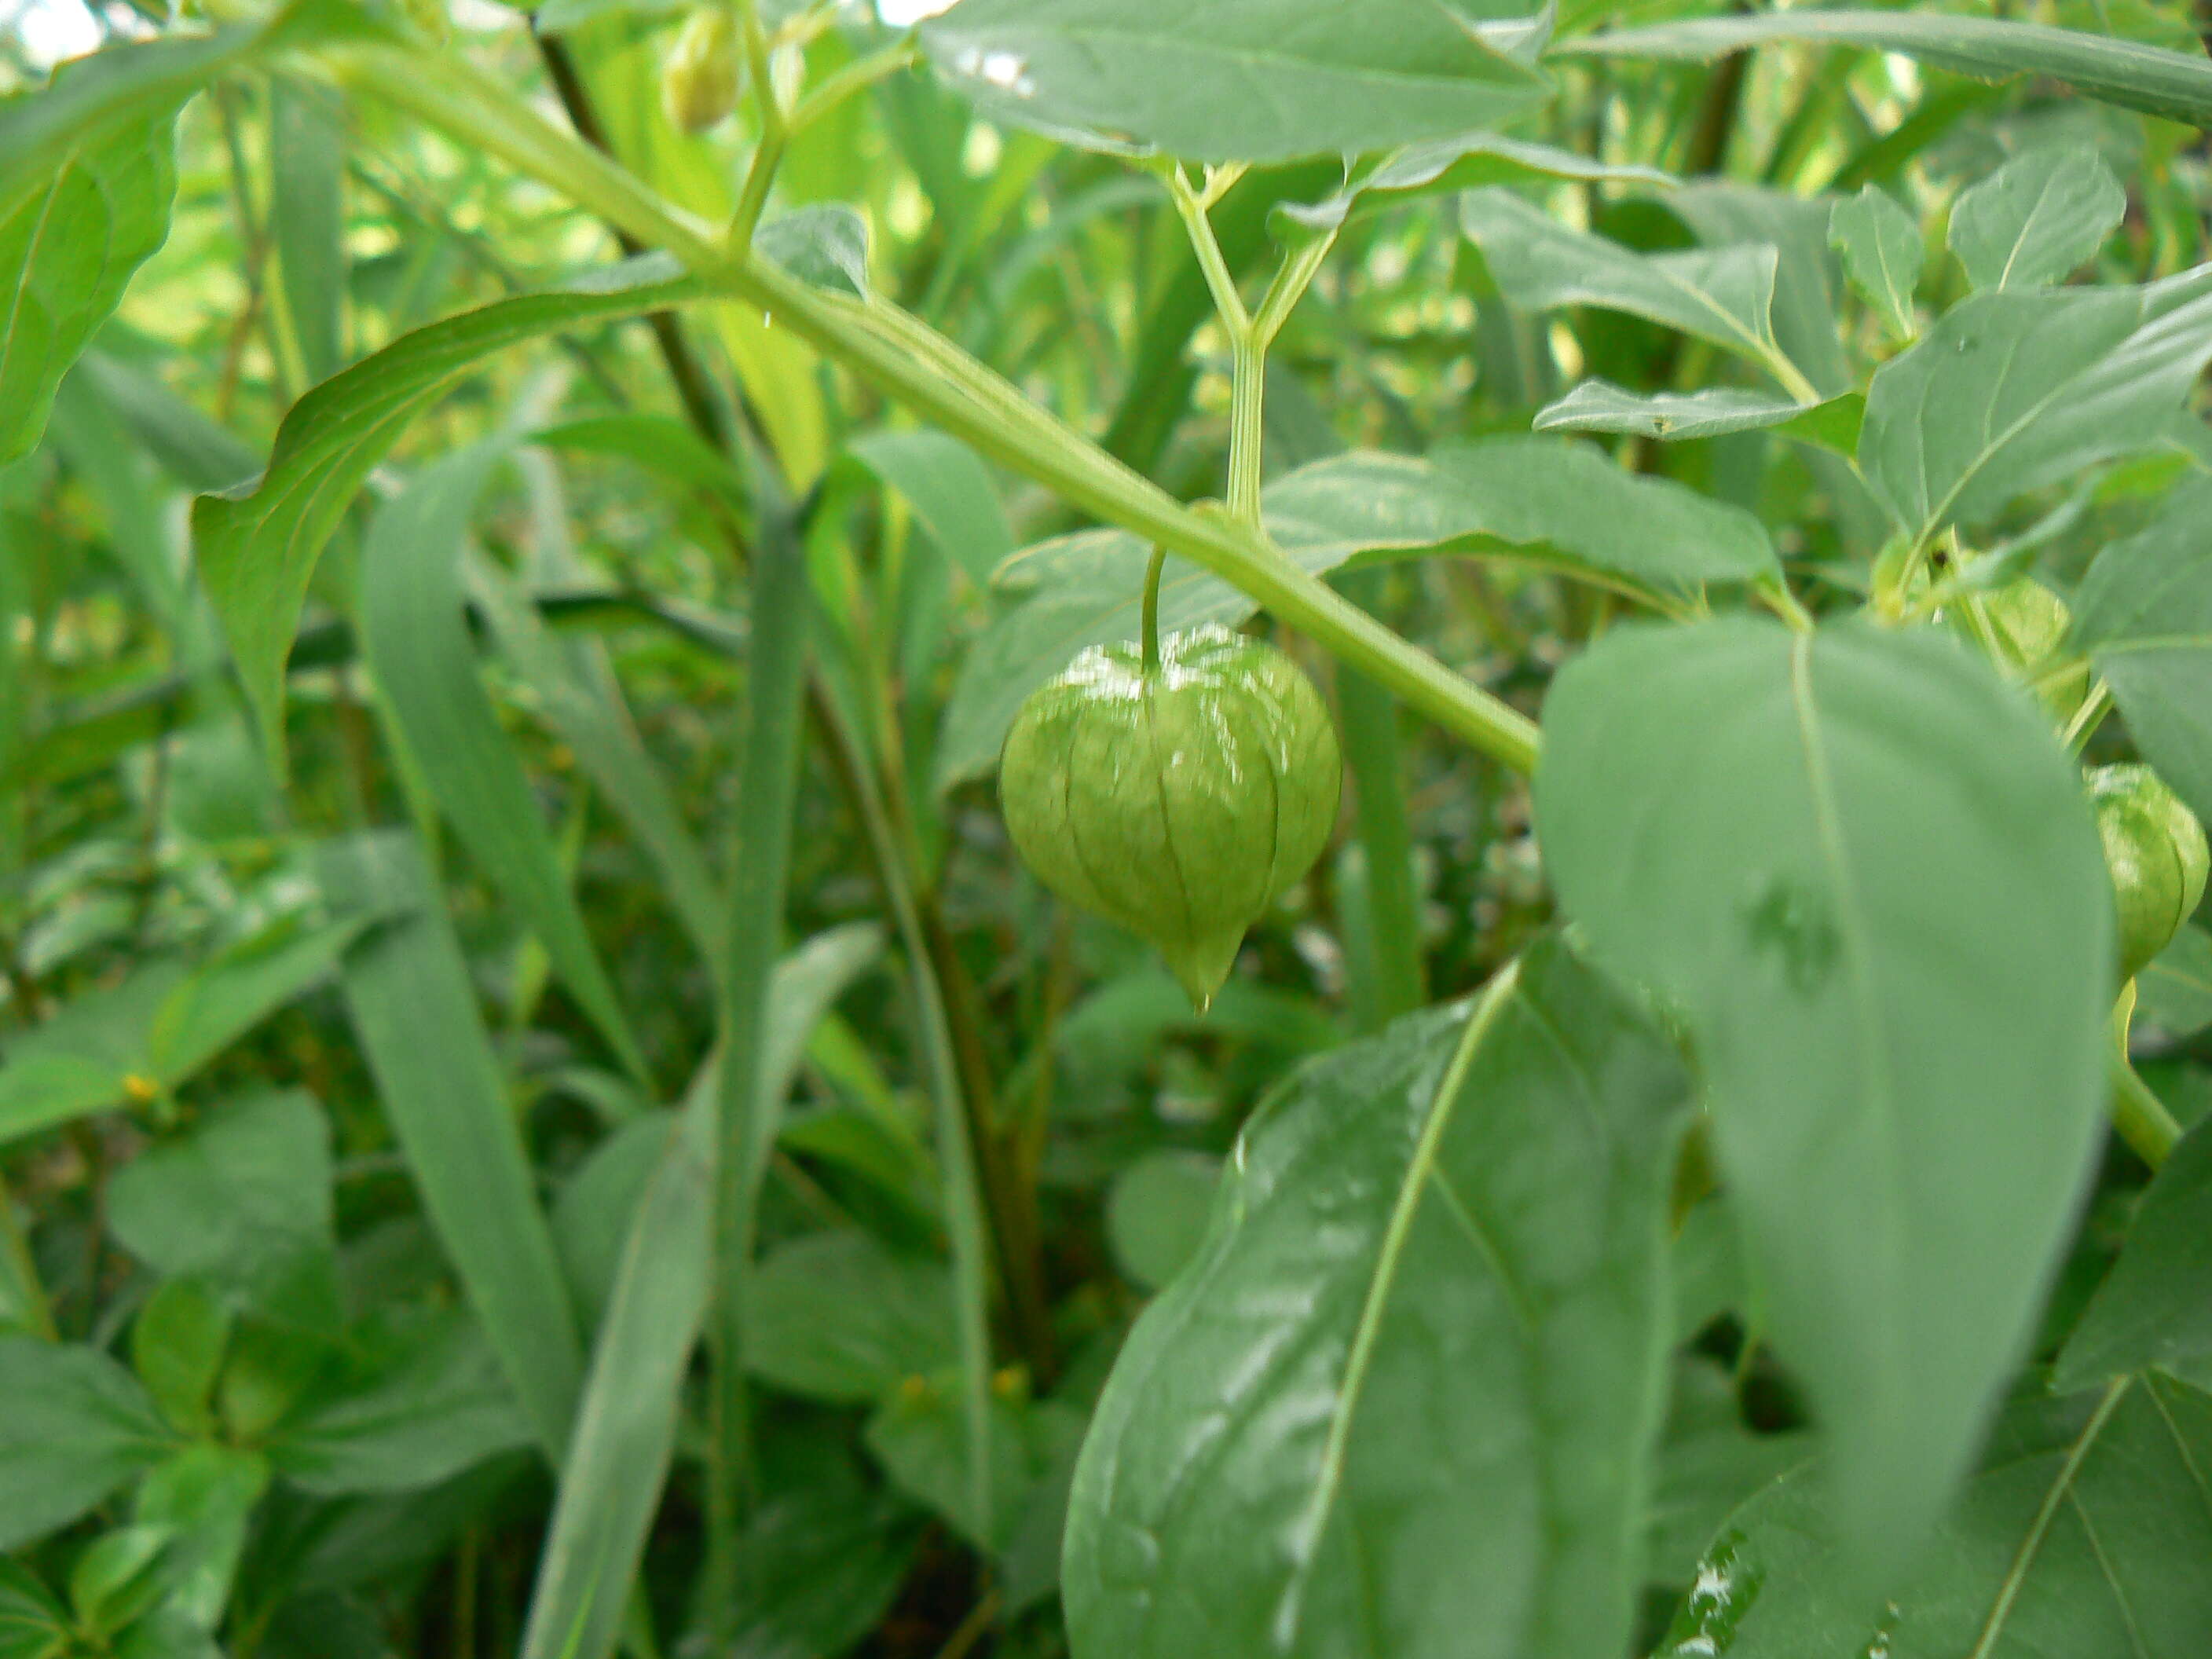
x=913 y=363
x=1150 y=633
x=2140 y=1115
x=774 y=135
x=855 y=77
x=2087 y=718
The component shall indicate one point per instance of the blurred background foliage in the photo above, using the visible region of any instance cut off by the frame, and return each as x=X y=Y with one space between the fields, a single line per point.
x=222 y=992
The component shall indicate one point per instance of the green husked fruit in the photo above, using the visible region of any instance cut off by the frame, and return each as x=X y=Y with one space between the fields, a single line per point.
x=700 y=81
x=2156 y=851
x=1180 y=802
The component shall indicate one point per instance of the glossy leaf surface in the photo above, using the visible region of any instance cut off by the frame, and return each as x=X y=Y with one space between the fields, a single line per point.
x=1424 y=1339
x=1244 y=81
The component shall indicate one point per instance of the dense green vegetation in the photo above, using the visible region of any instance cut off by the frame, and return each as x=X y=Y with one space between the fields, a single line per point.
x=543 y=1112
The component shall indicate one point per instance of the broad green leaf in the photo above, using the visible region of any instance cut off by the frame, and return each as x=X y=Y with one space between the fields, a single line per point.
x=414 y=1010
x=1882 y=253
x=826 y=246
x=950 y=491
x=178 y=1343
x=2037 y=218
x=839 y=1315
x=242 y=1203
x=1403 y=1403
x=1806 y=273
x=128 y=1043
x=256 y=549
x=2086 y=1532
x=2144 y=614
x=431 y=1404
x=1249 y=81
x=825 y=1559
x=131 y=84
x=2175 y=991
x=203 y=1498
x=2173 y=84
x=1861 y=870
x=68 y=249
x=307 y=218
x=2155 y=1308
x=1709 y=1463
x=1601 y=406
x=1458 y=163
x=77 y=1426
x=1722 y=294
x=918 y=1436
x=1561 y=505
x=1156 y=1213
x=2011 y=393
x=416 y=632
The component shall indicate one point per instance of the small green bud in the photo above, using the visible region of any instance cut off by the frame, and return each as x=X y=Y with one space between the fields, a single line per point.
x=700 y=81
x=1178 y=801
x=2030 y=624
x=2156 y=852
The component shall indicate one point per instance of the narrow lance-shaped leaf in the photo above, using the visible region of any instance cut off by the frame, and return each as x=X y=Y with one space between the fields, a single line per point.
x=1861 y=871
x=256 y=549
x=2152 y=79
x=407 y=986
x=415 y=629
x=2086 y=1532
x=2036 y=217
x=1247 y=81
x=2014 y=391
x=1402 y=1404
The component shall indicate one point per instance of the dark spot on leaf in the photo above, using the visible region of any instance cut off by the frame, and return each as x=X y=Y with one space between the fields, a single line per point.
x=1790 y=921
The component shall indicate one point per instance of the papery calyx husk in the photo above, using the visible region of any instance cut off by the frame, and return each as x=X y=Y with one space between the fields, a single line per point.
x=2156 y=852
x=1180 y=801
x=703 y=73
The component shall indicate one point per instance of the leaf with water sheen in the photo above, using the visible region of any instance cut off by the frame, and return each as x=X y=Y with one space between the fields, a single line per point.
x=2015 y=392
x=1402 y=1404
x=1561 y=505
x=1882 y=253
x=2157 y=81
x=2144 y=614
x=2085 y=1534
x=2036 y=218
x=1601 y=406
x=1860 y=868
x=1236 y=80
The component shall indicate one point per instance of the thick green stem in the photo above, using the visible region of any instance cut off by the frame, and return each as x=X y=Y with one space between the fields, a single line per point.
x=1246 y=430
x=913 y=363
x=1152 y=611
x=2141 y=1116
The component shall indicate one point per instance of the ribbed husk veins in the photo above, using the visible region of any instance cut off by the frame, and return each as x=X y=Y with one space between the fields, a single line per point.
x=1179 y=803
x=2156 y=852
